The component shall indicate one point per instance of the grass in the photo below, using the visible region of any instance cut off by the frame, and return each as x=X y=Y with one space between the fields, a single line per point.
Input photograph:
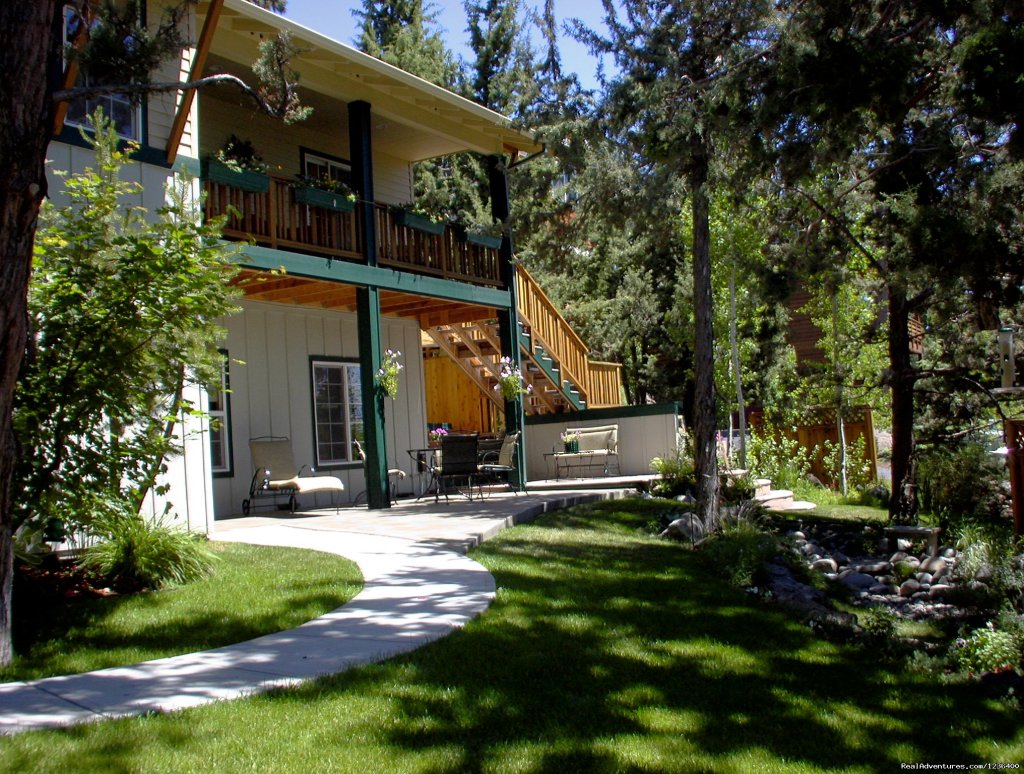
x=605 y=650
x=254 y=590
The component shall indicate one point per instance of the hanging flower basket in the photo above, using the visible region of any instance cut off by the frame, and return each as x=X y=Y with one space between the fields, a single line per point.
x=253 y=182
x=327 y=200
x=387 y=374
x=419 y=222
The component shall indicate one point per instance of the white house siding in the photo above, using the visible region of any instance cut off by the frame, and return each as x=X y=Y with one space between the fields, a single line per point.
x=641 y=439
x=162 y=107
x=270 y=346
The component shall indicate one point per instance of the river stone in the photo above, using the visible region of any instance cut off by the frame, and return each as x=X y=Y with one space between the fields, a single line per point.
x=924 y=578
x=874 y=568
x=825 y=564
x=798 y=535
x=899 y=556
x=909 y=587
x=857 y=580
x=841 y=558
x=984 y=573
x=880 y=589
x=933 y=563
x=942 y=572
x=948 y=552
x=939 y=591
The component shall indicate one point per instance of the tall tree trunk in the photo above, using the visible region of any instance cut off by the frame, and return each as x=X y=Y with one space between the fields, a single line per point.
x=28 y=63
x=741 y=404
x=903 y=504
x=704 y=420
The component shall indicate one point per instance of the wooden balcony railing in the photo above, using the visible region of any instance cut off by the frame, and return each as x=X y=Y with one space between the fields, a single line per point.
x=599 y=383
x=274 y=219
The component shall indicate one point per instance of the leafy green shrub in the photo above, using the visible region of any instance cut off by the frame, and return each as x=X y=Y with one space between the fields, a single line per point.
x=740 y=553
x=987 y=554
x=677 y=474
x=966 y=482
x=737 y=489
x=989 y=650
x=135 y=553
x=783 y=460
x=858 y=468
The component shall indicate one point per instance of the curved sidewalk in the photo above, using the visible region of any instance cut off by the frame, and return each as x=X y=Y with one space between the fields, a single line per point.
x=418 y=587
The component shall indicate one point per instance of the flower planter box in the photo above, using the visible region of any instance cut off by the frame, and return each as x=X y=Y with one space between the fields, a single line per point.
x=419 y=222
x=484 y=240
x=254 y=182
x=327 y=200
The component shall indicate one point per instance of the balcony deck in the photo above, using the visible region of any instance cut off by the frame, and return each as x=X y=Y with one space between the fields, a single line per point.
x=273 y=218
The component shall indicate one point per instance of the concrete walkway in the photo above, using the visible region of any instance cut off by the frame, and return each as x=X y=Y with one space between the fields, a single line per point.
x=418 y=587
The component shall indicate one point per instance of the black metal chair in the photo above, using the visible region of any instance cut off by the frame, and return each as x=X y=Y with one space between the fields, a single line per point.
x=456 y=462
x=494 y=466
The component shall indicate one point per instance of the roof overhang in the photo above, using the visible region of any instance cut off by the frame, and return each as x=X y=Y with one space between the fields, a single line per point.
x=416 y=120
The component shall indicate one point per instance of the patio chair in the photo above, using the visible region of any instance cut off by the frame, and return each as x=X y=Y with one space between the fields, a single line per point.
x=393 y=473
x=457 y=461
x=276 y=475
x=494 y=466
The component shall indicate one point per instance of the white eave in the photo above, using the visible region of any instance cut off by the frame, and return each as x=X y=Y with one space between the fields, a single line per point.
x=414 y=119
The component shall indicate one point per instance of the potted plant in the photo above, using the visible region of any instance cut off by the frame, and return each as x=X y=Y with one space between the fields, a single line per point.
x=239 y=165
x=324 y=192
x=571 y=441
x=411 y=216
x=434 y=436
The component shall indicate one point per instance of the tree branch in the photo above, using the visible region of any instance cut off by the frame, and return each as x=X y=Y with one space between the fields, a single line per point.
x=88 y=92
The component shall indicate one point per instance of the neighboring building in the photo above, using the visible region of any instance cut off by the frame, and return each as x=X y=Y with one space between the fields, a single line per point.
x=328 y=286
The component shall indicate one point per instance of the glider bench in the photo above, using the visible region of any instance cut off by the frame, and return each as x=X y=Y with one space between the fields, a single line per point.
x=597 y=448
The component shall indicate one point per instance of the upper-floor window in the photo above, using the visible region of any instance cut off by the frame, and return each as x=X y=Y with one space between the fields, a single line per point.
x=323 y=167
x=117 y=107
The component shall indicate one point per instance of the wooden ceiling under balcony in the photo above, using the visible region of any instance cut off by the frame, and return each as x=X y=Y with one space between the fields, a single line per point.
x=323 y=294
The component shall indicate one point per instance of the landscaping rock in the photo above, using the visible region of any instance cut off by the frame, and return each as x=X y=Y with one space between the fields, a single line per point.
x=881 y=589
x=875 y=568
x=899 y=556
x=841 y=558
x=948 y=552
x=924 y=578
x=686 y=528
x=826 y=564
x=939 y=591
x=933 y=563
x=909 y=587
x=984 y=573
x=857 y=580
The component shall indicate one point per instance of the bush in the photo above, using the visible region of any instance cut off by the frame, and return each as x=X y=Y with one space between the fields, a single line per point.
x=783 y=460
x=140 y=554
x=965 y=483
x=989 y=650
x=858 y=468
x=987 y=554
x=737 y=489
x=741 y=552
x=677 y=474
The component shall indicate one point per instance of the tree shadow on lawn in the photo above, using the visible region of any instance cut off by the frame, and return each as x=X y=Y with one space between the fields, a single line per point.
x=662 y=664
x=604 y=650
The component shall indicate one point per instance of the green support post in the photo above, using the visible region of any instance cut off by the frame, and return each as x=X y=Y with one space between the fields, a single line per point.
x=368 y=310
x=508 y=318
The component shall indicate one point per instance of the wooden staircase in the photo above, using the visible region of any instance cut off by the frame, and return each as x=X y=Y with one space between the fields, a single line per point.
x=555 y=361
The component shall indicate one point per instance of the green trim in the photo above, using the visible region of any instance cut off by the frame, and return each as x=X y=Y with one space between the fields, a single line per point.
x=257 y=257
x=483 y=240
x=187 y=165
x=611 y=412
x=69 y=135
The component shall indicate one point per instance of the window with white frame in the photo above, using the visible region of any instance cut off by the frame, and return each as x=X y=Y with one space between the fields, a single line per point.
x=117 y=107
x=220 y=422
x=323 y=167
x=337 y=411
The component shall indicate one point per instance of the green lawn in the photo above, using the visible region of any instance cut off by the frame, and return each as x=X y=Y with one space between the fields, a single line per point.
x=254 y=590
x=606 y=650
